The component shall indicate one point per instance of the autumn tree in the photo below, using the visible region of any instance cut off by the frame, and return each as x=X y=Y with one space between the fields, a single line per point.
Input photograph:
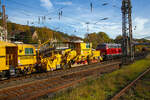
x=97 y=38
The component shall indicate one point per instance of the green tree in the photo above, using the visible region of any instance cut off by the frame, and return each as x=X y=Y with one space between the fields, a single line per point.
x=118 y=39
x=97 y=38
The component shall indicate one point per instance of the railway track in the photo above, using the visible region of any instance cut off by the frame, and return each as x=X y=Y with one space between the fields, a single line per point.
x=118 y=95
x=38 y=88
x=39 y=76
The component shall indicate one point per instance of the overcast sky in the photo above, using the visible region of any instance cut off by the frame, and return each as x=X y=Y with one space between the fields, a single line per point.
x=76 y=13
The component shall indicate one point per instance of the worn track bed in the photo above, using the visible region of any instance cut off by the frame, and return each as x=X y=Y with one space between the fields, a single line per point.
x=53 y=83
x=39 y=76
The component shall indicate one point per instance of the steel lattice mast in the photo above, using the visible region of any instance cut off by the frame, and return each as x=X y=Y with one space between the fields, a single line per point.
x=127 y=44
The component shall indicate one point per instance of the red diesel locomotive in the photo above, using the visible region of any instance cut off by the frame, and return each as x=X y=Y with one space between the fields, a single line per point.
x=110 y=51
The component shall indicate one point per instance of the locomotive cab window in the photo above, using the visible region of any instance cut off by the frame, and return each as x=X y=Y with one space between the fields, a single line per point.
x=87 y=45
x=28 y=51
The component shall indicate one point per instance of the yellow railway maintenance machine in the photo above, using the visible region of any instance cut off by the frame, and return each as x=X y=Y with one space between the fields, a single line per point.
x=16 y=59
x=55 y=55
x=85 y=53
x=49 y=58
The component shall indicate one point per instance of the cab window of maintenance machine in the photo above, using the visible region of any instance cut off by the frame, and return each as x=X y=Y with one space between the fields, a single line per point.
x=28 y=51
x=87 y=45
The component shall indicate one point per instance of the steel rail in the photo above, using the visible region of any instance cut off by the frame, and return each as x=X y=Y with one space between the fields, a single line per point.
x=33 y=90
x=118 y=95
x=37 y=76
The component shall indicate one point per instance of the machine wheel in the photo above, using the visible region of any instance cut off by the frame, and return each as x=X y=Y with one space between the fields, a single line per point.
x=69 y=64
x=88 y=60
x=4 y=75
x=66 y=66
x=18 y=72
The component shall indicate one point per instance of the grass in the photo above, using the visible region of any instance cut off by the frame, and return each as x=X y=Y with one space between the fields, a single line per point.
x=141 y=91
x=105 y=86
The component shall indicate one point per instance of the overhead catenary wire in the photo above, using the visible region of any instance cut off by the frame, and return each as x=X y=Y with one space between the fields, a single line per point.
x=77 y=20
x=33 y=7
x=29 y=15
x=41 y=19
x=27 y=6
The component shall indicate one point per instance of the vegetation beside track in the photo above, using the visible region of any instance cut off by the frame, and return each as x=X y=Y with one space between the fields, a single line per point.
x=107 y=85
x=141 y=91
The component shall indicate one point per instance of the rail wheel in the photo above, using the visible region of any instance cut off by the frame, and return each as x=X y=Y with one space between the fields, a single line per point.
x=4 y=75
x=67 y=65
x=18 y=72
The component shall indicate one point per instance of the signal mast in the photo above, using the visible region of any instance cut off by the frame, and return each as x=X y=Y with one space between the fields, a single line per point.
x=127 y=44
x=3 y=29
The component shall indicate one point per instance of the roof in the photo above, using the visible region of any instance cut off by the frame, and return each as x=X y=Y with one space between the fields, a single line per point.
x=7 y=44
x=110 y=44
x=25 y=45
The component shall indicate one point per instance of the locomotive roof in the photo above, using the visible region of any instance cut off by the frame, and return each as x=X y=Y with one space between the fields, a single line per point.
x=110 y=44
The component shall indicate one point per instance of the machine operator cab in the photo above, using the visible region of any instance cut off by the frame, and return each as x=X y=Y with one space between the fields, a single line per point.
x=85 y=53
x=26 y=58
x=8 y=58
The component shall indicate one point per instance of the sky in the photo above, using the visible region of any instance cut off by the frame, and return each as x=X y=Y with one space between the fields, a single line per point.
x=77 y=13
